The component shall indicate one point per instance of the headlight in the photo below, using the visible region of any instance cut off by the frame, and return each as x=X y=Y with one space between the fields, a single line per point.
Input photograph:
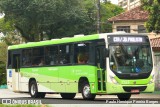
x=151 y=80
x=113 y=80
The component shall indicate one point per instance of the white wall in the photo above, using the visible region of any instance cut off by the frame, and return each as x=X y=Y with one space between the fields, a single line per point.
x=157 y=70
x=133 y=26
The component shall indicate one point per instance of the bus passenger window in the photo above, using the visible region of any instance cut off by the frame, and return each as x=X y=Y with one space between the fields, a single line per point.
x=51 y=55
x=38 y=56
x=81 y=51
x=82 y=58
x=65 y=54
x=47 y=55
x=41 y=62
x=9 y=59
x=26 y=57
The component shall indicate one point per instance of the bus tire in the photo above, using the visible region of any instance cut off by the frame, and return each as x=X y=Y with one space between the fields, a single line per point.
x=33 y=90
x=68 y=95
x=124 y=97
x=86 y=92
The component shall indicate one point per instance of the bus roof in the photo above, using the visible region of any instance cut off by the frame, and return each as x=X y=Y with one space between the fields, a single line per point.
x=76 y=38
x=55 y=41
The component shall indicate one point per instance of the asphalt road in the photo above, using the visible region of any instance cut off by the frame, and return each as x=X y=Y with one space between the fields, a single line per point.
x=7 y=96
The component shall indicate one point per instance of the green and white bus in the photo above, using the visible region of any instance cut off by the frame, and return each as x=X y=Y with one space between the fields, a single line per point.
x=111 y=63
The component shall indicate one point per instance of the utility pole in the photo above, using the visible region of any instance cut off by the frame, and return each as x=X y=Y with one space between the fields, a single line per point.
x=98 y=17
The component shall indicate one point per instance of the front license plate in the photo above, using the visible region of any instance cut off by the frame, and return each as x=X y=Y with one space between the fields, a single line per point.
x=135 y=91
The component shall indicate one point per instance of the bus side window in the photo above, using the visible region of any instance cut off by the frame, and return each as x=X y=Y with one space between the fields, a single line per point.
x=47 y=55
x=16 y=61
x=9 y=59
x=82 y=58
x=26 y=57
x=38 y=56
x=51 y=55
x=64 y=54
x=81 y=53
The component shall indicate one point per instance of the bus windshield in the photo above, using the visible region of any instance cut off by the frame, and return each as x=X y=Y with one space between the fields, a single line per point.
x=133 y=58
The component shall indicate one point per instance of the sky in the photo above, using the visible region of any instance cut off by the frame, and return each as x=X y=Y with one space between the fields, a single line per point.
x=114 y=1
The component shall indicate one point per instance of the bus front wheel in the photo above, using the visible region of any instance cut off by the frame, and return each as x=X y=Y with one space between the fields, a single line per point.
x=33 y=90
x=86 y=92
x=68 y=95
x=124 y=97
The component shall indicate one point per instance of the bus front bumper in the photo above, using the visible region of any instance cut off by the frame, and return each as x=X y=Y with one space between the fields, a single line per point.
x=118 y=88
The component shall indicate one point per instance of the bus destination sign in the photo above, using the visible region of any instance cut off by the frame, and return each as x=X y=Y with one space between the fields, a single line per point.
x=128 y=39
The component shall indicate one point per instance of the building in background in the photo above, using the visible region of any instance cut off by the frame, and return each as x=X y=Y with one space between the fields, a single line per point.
x=129 y=4
x=155 y=43
x=131 y=21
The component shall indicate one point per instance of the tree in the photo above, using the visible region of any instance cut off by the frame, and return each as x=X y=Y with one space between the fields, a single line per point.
x=11 y=35
x=39 y=19
x=106 y=1
x=5 y=26
x=3 y=60
x=108 y=10
x=56 y=18
x=153 y=7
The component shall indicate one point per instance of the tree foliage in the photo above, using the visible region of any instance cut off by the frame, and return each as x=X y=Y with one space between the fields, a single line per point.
x=153 y=7
x=39 y=19
x=5 y=26
x=11 y=35
x=3 y=60
x=56 y=18
x=108 y=10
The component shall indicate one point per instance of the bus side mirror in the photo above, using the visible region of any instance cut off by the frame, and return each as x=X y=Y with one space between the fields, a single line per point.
x=107 y=52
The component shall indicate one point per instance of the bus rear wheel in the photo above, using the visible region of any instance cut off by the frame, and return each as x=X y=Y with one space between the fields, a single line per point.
x=68 y=95
x=124 y=97
x=33 y=90
x=86 y=92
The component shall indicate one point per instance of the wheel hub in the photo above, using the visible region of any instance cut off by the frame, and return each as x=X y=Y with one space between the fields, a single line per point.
x=86 y=91
x=33 y=89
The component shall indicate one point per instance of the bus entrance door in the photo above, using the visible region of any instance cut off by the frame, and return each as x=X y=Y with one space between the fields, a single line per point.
x=101 y=65
x=16 y=72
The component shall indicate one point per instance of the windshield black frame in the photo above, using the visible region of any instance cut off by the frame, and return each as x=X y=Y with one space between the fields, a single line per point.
x=137 y=68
